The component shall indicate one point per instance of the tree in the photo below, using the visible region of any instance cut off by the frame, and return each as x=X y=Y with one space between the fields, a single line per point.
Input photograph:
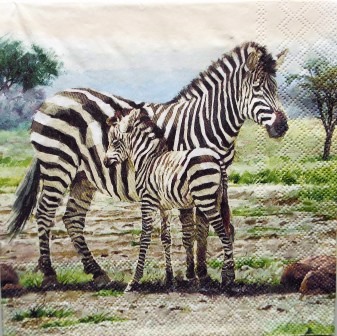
x=320 y=84
x=22 y=73
x=27 y=68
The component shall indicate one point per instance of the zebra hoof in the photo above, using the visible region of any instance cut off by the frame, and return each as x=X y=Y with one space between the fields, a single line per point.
x=205 y=283
x=49 y=282
x=170 y=284
x=227 y=283
x=192 y=283
x=131 y=287
x=101 y=281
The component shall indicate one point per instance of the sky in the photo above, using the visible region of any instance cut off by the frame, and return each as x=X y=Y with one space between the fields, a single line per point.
x=149 y=50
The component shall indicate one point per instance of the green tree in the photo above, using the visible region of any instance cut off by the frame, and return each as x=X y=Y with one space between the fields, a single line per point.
x=27 y=68
x=320 y=83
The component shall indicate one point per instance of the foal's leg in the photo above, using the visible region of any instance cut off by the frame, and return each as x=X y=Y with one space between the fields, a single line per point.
x=81 y=195
x=166 y=241
x=202 y=229
x=188 y=229
x=215 y=219
x=148 y=217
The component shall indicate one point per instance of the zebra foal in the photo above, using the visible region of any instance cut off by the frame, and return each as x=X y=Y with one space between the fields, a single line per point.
x=166 y=180
x=70 y=137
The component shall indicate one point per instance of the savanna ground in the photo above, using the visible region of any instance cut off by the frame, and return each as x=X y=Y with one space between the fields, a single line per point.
x=283 y=200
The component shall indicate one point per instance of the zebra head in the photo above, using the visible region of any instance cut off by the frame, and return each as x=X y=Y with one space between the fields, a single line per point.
x=117 y=151
x=130 y=134
x=259 y=91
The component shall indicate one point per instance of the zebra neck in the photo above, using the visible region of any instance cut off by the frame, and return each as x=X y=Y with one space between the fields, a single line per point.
x=204 y=116
x=143 y=158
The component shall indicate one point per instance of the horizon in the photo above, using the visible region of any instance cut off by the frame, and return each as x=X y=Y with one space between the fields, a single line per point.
x=150 y=52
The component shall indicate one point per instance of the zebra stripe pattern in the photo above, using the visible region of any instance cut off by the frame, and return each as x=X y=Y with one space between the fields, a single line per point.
x=69 y=134
x=166 y=180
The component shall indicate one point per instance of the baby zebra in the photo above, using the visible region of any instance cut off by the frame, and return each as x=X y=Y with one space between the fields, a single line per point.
x=166 y=180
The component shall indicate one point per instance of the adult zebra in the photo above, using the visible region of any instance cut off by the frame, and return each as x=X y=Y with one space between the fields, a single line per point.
x=166 y=180
x=69 y=133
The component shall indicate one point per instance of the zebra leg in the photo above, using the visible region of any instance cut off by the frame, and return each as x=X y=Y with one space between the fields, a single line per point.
x=225 y=211
x=187 y=221
x=80 y=197
x=166 y=241
x=148 y=216
x=202 y=228
x=50 y=199
x=227 y=273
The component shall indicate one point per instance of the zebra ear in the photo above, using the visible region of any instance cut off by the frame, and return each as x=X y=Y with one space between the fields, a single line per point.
x=125 y=124
x=253 y=60
x=280 y=58
x=112 y=121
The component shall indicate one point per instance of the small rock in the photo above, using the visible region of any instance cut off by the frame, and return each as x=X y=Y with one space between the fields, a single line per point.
x=175 y=308
x=281 y=309
x=265 y=307
x=8 y=275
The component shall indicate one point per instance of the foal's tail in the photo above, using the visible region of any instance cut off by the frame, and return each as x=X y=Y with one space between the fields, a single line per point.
x=26 y=197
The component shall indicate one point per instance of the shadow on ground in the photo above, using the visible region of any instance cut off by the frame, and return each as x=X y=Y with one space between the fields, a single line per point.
x=213 y=287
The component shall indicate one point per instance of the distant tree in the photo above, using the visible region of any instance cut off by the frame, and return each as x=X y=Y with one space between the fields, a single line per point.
x=27 y=68
x=17 y=107
x=320 y=84
x=23 y=71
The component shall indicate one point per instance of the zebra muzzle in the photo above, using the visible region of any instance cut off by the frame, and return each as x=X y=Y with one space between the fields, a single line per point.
x=279 y=126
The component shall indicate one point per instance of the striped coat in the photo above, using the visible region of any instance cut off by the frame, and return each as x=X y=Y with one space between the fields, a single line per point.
x=69 y=134
x=166 y=180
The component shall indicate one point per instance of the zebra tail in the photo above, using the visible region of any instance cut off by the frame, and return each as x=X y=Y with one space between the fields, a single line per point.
x=26 y=198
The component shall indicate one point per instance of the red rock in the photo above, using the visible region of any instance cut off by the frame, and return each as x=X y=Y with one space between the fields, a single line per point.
x=8 y=275
x=321 y=280
x=294 y=274
x=11 y=287
x=312 y=275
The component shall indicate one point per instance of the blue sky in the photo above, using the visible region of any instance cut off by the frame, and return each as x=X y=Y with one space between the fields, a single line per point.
x=148 y=52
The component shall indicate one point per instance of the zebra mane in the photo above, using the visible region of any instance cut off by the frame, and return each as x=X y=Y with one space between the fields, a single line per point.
x=266 y=61
x=146 y=120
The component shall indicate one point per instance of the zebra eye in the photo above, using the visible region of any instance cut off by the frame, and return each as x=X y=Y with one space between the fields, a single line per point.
x=114 y=142
x=257 y=86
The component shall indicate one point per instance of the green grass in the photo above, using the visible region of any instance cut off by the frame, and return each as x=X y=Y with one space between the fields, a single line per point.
x=59 y=324
x=15 y=144
x=11 y=162
x=136 y=232
x=262 y=210
x=109 y=292
x=320 y=200
x=31 y=279
x=95 y=319
x=10 y=181
x=65 y=276
x=98 y=318
x=40 y=311
x=253 y=262
x=319 y=175
x=253 y=270
x=310 y=328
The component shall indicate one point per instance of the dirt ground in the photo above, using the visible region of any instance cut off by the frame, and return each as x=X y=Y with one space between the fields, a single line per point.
x=112 y=227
